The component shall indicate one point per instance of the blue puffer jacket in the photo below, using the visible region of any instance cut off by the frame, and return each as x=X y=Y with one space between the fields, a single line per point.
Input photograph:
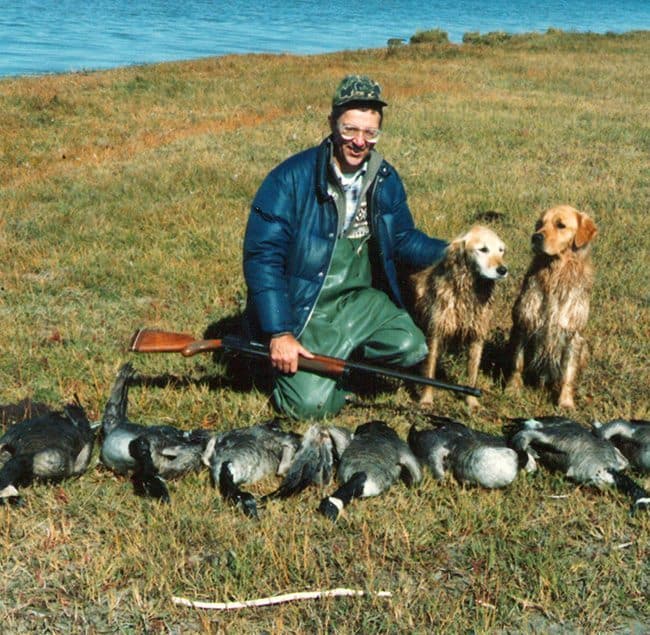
x=291 y=233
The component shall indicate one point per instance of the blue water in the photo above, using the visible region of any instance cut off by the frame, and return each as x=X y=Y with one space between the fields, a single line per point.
x=72 y=35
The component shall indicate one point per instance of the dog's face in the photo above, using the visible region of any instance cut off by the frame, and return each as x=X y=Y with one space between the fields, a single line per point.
x=485 y=251
x=562 y=228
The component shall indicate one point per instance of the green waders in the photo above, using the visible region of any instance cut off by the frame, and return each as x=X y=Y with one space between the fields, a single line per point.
x=350 y=314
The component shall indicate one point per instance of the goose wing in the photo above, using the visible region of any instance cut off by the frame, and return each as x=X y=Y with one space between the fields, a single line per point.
x=432 y=447
x=55 y=430
x=314 y=461
x=631 y=437
x=411 y=472
x=543 y=438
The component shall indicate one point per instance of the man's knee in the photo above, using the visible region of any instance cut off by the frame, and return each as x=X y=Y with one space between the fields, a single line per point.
x=414 y=348
x=308 y=400
x=410 y=347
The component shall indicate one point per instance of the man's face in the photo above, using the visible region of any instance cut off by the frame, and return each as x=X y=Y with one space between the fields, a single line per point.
x=351 y=133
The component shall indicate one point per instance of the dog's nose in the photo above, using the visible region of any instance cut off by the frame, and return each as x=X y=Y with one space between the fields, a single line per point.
x=502 y=270
x=537 y=239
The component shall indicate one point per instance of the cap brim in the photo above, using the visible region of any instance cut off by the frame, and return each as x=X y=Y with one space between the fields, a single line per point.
x=360 y=102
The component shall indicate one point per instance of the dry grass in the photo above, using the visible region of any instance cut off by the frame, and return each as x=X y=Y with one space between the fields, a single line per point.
x=124 y=197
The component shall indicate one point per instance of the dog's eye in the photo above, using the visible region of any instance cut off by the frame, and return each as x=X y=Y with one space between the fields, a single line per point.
x=560 y=225
x=538 y=225
x=484 y=250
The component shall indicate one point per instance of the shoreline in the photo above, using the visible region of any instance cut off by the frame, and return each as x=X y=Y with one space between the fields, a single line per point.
x=491 y=37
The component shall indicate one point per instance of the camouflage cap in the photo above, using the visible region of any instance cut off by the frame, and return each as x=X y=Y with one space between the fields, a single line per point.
x=357 y=88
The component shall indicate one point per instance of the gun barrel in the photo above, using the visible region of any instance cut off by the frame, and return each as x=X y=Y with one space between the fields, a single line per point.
x=155 y=341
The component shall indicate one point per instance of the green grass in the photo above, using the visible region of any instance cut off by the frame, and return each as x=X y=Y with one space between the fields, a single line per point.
x=124 y=196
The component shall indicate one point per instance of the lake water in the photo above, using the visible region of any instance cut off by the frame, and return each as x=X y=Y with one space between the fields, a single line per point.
x=40 y=36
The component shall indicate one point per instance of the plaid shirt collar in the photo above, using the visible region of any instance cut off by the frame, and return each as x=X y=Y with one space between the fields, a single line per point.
x=351 y=186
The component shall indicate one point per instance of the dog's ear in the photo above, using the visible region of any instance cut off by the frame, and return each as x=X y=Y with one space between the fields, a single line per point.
x=456 y=252
x=457 y=244
x=586 y=232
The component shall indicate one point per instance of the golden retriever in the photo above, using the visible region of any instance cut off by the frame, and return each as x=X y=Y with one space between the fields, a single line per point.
x=551 y=310
x=453 y=300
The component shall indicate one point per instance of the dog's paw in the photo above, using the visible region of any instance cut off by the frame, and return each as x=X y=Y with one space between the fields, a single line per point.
x=565 y=399
x=426 y=398
x=566 y=402
x=426 y=401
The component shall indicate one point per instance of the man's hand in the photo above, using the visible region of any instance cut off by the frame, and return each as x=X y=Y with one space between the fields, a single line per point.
x=284 y=351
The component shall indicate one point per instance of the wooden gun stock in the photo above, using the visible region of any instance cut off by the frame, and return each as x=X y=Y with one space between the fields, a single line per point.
x=155 y=341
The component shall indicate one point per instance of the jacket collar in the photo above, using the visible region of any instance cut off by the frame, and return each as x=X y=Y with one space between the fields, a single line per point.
x=375 y=162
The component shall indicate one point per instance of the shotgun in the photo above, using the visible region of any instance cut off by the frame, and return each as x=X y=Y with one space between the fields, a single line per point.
x=155 y=341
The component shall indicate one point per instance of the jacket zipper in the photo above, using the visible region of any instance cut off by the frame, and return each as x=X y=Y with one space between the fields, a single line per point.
x=372 y=213
x=322 y=283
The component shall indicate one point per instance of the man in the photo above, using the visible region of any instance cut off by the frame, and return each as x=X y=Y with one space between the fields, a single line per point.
x=326 y=230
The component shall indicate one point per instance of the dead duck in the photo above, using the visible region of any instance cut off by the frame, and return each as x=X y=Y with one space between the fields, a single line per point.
x=565 y=446
x=375 y=458
x=631 y=437
x=473 y=457
x=246 y=455
x=48 y=447
x=149 y=453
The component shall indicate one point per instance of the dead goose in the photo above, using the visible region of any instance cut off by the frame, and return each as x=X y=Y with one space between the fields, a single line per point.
x=321 y=448
x=246 y=455
x=565 y=446
x=473 y=457
x=48 y=447
x=374 y=459
x=631 y=437
x=149 y=453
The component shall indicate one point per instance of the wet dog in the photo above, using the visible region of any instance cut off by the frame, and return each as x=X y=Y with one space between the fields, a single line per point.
x=453 y=300
x=552 y=308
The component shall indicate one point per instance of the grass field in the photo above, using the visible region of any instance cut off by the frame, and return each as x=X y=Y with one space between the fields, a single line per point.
x=123 y=200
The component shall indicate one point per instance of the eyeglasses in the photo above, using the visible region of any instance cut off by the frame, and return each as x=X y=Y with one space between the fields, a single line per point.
x=348 y=132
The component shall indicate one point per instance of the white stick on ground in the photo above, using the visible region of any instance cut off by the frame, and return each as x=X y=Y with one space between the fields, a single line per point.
x=276 y=599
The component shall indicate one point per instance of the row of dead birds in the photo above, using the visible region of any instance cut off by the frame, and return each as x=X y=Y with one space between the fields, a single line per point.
x=366 y=461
